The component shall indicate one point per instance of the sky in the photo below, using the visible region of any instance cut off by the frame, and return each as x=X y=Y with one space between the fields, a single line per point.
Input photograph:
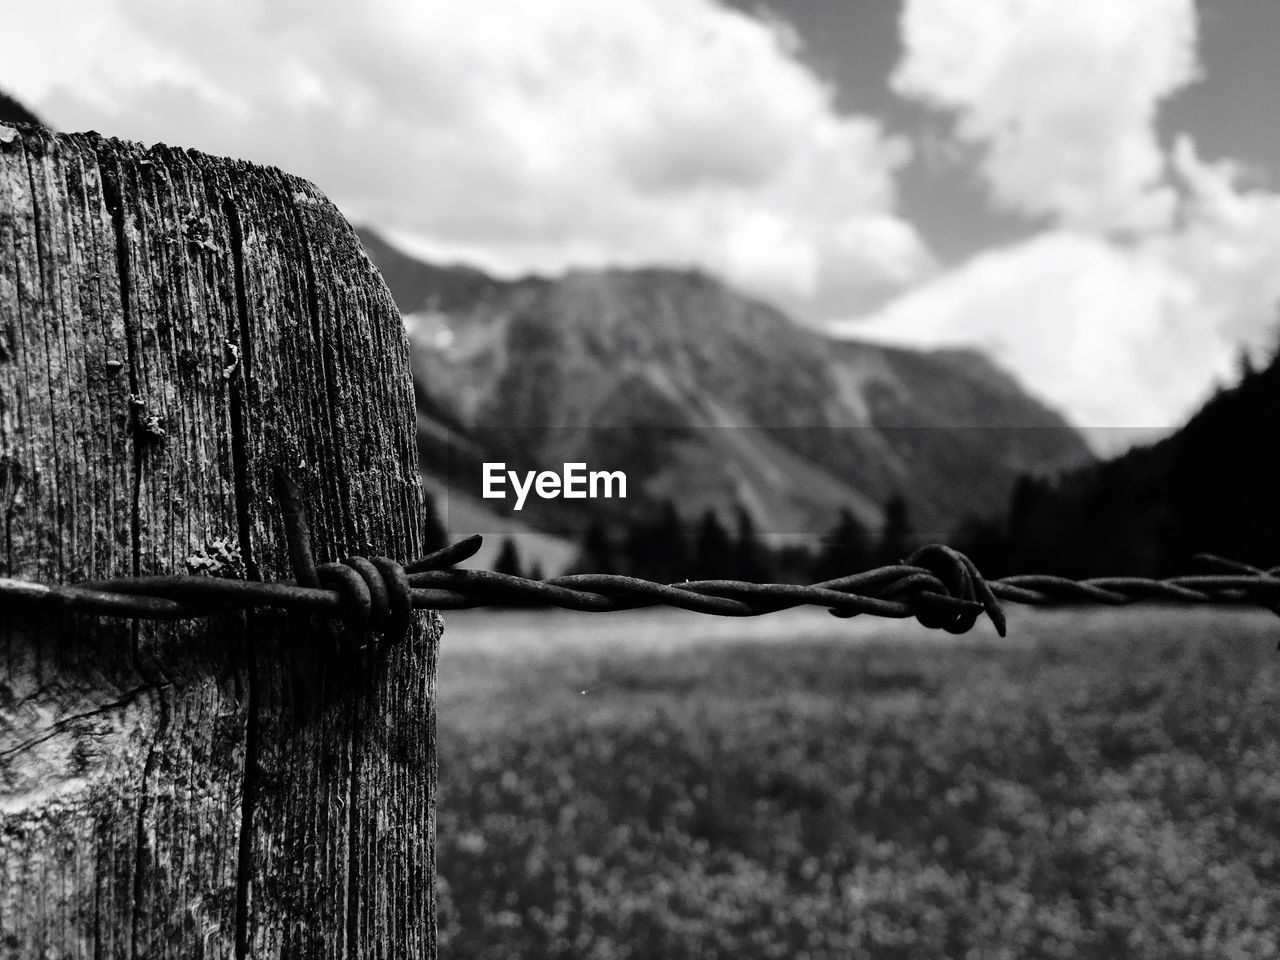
x=1087 y=191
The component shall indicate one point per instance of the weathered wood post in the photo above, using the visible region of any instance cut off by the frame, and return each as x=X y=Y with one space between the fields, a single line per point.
x=173 y=328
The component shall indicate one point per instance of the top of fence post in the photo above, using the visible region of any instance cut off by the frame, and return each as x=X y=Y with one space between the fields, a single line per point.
x=174 y=329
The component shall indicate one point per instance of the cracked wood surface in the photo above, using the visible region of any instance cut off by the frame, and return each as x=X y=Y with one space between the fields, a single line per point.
x=173 y=327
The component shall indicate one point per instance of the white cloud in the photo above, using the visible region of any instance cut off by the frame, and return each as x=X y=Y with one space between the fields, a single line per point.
x=1125 y=337
x=1078 y=319
x=1060 y=97
x=1156 y=266
x=1228 y=248
x=519 y=135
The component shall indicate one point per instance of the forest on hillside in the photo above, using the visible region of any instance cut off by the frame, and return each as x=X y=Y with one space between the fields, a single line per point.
x=1210 y=487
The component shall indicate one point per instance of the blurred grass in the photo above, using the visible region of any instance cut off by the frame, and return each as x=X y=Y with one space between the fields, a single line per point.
x=1102 y=784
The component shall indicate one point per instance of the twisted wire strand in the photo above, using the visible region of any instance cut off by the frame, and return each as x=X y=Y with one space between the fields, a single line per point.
x=937 y=585
x=897 y=591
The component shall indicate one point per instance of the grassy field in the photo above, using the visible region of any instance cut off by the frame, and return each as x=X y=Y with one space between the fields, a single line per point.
x=664 y=785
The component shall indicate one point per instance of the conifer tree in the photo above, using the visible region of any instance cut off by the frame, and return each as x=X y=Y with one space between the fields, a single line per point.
x=596 y=554
x=897 y=539
x=712 y=551
x=672 y=542
x=752 y=560
x=508 y=559
x=639 y=554
x=845 y=550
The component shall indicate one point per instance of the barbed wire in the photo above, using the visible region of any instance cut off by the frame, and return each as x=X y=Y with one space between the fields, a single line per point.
x=937 y=585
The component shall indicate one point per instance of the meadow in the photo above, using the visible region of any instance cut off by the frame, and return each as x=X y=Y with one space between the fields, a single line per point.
x=661 y=785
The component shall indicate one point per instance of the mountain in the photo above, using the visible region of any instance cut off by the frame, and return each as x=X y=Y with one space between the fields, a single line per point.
x=419 y=286
x=706 y=398
x=1208 y=487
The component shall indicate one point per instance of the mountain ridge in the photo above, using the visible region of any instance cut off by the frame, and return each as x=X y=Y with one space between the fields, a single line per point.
x=709 y=398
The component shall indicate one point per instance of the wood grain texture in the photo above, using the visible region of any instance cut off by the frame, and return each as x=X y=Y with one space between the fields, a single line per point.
x=173 y=327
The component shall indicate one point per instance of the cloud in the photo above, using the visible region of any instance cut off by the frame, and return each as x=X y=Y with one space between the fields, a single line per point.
x=1126 y=337
x=1075 y=317
x=515 y=135
x=1059 y=97
x=1227 y=246
x=1153 y=267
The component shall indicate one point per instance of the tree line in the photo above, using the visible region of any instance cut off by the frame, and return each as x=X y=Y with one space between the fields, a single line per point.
x=670 y=548
x=1210 y=487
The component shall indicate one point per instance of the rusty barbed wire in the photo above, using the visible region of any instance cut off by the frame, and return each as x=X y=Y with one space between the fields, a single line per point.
x=937 y=585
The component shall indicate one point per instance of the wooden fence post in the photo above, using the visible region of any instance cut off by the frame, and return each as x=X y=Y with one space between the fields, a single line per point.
x=173 y=328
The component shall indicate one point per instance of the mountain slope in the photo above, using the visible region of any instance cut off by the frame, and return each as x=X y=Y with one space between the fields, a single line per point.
x=706 y=398
x=1208 y=487
x=419 y=286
